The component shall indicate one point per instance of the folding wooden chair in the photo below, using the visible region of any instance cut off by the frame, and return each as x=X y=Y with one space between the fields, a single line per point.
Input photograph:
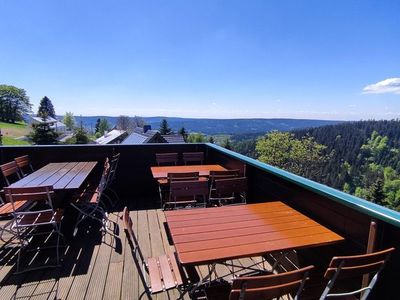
x=111 y=177
x=230 y=191
x=193 y=157
x=164 y=159
x=216 y=175
x=89 y=203
x=164 y=272
x=353 y=267
x=24 y=164
x=184 y=193
x=270 y=286
x=10 y=172
x=164 y=183
x=6 y=210
x=25 y=223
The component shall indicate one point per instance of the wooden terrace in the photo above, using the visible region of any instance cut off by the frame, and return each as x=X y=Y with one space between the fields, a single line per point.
x=97 y=266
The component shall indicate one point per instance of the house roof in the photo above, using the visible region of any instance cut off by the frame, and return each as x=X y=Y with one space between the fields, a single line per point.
x=174 y=139
x=109 y=137
x=48 y=120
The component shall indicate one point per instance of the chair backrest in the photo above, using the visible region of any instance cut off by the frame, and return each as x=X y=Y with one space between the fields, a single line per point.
x=188 y=188
x=10 y=170
x=344 y=267
x=130 y=234
x=270 y=286
x=24 y=164
x=113 y=168
x=182 y=176
x=193 y=157
x=167 y=158
x=230 y=187
x=30 y=194
x=226 y=174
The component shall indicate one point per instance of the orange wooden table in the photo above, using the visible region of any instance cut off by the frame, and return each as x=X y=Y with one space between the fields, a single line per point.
x=62 y=176
x=217 y=234
x=204 y=170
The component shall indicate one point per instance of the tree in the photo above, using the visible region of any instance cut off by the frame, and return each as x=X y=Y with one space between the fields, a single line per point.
x=183 y=133
x=46 y=108
x=138 y=122
x=81 y=136
x=196 y=138
x=97 y=126
x=69 y=120
x=211 y=140
x=227 y=144
x=103 y=126
x=164 y=129
x=125 y=123
x=303 y=156
x=43 y=134
x=14 y=103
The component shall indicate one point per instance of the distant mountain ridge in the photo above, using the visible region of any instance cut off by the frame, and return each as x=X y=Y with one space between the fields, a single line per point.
x=220 y=126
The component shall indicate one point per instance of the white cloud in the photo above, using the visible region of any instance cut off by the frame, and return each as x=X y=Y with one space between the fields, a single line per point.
x=390 y=85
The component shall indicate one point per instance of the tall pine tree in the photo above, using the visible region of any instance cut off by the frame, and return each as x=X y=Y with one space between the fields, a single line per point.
x=46 y=108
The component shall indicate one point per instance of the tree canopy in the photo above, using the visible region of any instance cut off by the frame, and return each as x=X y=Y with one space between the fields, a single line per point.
x=69 y=120
x=46 y=108
x=164 y=128
x=300 y=156
x=14 y=103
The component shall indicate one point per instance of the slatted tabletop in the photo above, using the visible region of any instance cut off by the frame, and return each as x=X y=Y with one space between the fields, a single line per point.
x=208 y=235
x=62 y=176
x=204 y=170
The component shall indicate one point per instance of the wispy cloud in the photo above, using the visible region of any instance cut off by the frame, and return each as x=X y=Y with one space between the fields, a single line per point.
x=390 y=85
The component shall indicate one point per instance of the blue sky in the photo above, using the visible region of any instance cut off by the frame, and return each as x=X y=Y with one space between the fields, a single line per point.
x=217 y=59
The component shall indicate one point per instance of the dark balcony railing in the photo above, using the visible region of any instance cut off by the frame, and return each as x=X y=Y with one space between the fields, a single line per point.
x=345 y=214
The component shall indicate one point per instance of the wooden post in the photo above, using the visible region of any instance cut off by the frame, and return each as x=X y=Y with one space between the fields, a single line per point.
x=370 y=246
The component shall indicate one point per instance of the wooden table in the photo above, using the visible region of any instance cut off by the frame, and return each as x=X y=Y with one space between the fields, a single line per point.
x=217 y=234
x=204 y=170
x=62 y=176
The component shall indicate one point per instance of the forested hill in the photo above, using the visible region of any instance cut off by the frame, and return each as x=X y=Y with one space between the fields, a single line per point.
x=219 y=126
x=360 y=158
x=345 y=141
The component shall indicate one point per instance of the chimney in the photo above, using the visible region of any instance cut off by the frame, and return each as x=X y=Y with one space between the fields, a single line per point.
x=146 y=128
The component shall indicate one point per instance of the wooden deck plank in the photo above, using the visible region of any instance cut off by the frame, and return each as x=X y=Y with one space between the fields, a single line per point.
x=97 y=282
x=143 y=239
x=113 y=283
x=130 y=278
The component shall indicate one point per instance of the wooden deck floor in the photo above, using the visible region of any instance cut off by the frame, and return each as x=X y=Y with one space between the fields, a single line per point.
x=95 y=266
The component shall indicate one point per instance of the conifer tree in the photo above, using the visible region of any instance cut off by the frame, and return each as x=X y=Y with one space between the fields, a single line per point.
x=46 y=108
x=164 y=129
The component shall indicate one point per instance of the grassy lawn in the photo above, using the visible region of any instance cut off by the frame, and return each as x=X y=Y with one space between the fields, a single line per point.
x=12 y=131
x=11 y=141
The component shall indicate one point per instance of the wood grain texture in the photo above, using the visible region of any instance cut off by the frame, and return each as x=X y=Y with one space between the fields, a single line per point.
x=204 y=235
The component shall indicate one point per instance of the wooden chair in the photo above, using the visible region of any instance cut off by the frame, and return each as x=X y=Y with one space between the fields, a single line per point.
x=90 y=203
x=6 y=210
x=184 y=193
x=114 y=160
x=24 y=164
x=164 y=183
x=353 y=267
x=25 y=223
x=216 y=175
x=163 y=159
x=164 y=272
x=10 y=171
x=230 y=191
x=270 y=286
x=193 y=157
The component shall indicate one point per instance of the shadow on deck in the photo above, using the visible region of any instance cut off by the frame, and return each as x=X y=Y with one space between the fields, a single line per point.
x=94 y=265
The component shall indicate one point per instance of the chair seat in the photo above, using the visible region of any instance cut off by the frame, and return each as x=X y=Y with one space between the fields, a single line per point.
x=6 y=209
x=164 y=272
x=40 y=218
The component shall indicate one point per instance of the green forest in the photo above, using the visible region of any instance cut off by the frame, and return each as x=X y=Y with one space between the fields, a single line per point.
x=361 y=158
